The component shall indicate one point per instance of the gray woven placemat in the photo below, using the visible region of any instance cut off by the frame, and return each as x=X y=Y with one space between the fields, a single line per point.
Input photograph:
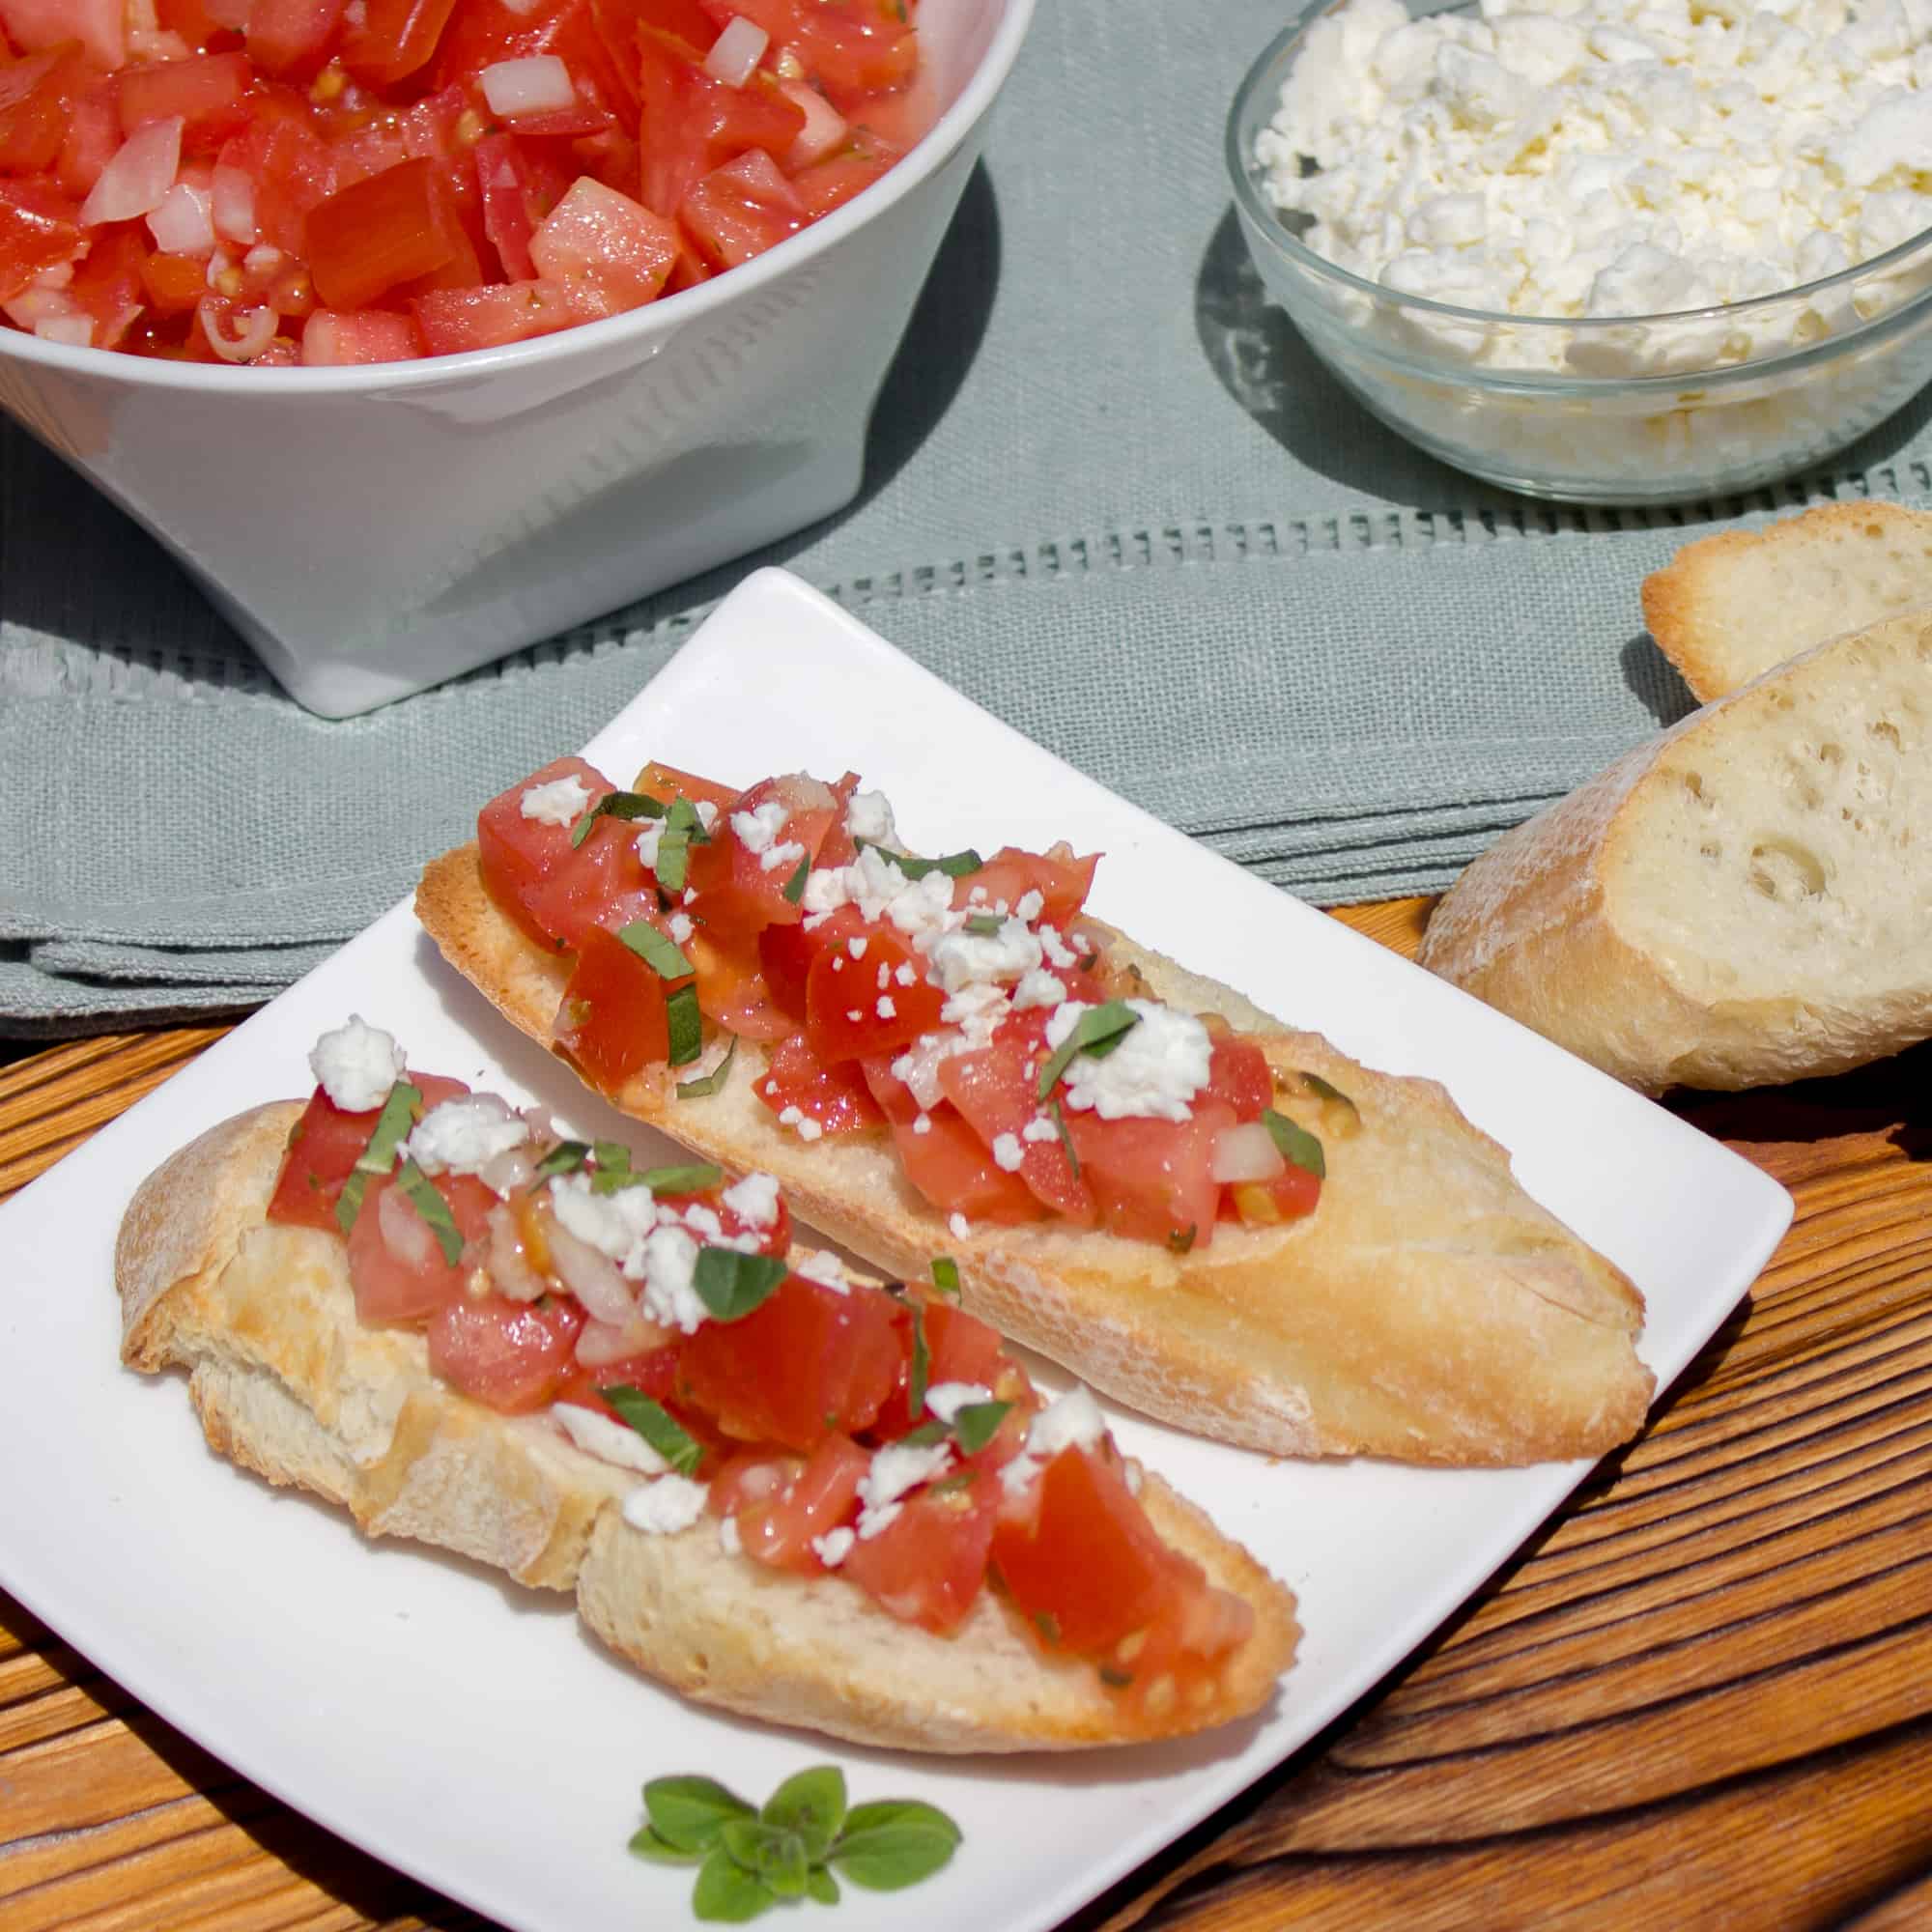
x=1109 y=496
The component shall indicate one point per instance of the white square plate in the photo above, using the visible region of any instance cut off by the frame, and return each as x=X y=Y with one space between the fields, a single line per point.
x=466 y=1730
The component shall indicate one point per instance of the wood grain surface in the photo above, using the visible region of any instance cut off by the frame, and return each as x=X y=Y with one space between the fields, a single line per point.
x=1702 y=1697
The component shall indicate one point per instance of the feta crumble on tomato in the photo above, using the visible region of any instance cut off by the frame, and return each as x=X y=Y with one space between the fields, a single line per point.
x=356 y=1064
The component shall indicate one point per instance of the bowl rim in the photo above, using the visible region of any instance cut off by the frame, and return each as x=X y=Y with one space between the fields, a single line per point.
x=1263 y=223
x=665 y=317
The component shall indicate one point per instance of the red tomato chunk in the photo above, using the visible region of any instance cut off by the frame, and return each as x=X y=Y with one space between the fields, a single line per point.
x=267 y=183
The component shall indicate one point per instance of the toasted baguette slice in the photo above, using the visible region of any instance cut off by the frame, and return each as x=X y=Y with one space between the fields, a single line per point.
x=1427 y=1310
x=1729 y=608
x=289 y=1383
x=1745 y=899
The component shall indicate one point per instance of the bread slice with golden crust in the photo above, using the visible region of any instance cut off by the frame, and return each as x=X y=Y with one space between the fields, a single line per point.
x=1732 y=606
x=289 y=1383
x=1428 y=1310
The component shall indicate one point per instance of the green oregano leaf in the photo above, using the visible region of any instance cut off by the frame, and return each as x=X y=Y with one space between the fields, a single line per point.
x=819 y=1884
x=657 y=1426
x=647 y=1843
x=895 y=1843
x=946 y=1277
x=400 y=1113
x=656 y=950
x=712 y=1082
x=1097 y=1031
x=1296 y=1143
x=685 y=1027
x=688 y=1812
x=727 y=1893
x=813 y=1805
x=976 y=1424
x=731 y=1283
x=630 y=805
x=956 y=864
x=420 y=1192
x=770 y=1853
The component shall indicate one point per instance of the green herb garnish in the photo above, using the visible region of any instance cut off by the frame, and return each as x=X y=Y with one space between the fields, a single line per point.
x=929 y=1432
x=794 y=887
x=400 y=1111
x=956 y=864
x=976 y=1424
x=712 y=1082
x=731 y=1285
x=657 y=1426
x=984 y=924
x=1296 y=1143
x=656 y=950
x=1325 y=1090
x=565 y=1157
x=682 y=829
x=1053 y=1107
x=691 y=1176
x=748 y=1860
x=961 y=1479
x=616 y=805
x=921 y=1365
x=1099 y=1031
x=686 y=1026
x=946 y=1277
x=420 y=1192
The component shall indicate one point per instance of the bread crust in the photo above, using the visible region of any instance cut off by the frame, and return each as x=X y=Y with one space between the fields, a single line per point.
x=1428 y=1309
x=288 y=1383
x=1593 y=923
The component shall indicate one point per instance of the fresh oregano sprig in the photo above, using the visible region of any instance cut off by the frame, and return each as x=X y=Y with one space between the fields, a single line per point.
x=748 y=1859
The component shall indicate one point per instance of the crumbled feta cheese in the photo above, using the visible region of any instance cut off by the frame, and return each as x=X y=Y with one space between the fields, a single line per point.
x=1058 y=952
x=681 y=927
x=896 y=1470
x=776 y=856
x=615 y=1225
x=707 y=817
x=614 y=1443
x=906 y=974
x=1038 y=989
x=801 y=1124
x=833 y=1546
x=922 y=1123
x=875 y=885
x=729 y=1539
x=1030 y=907
x=822 y=1265
x=854 y=1015
x=1156 y=1070
x=754 y=1200
x=669 y=1259
x=698 y=1217
x=885 y=977
x=465 y=1134
x=887 y=1010
x=947 y=1399
x=869 y=815
x=356 y=1064
x=1072 y=1422
x=857 y=945
x=1008 y=1153
x=561 y=802
x=958 y=1225
x=758 y=829
x=959 y=959
x=666 y=1506
x=647 y=843
x=1040 y=1128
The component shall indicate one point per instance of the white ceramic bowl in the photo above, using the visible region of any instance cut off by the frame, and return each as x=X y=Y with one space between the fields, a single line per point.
x=373 y=531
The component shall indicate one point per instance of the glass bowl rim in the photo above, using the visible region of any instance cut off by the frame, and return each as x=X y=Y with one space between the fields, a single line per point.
x=1264 y=220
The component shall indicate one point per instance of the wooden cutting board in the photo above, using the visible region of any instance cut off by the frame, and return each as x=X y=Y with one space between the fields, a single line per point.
x=1702 y=1697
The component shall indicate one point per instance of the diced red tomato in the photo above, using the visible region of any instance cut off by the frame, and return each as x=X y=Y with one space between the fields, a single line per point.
x=856 y=1003
x=331 y=340
x=39 y=228
x=391 y=228
x=291 y=39
x=510 y=1355
x=654 y=1374
x=395 y=1263
x=1153 y=1180
x=785 y=956
x=35 y=95
x=691 y=123
x=926 y=1567
x=395 y=40
x=997 y=1093
x=1265 y=1203
x=945 y=1160
x=741 y=210
x=174 y=282
x=612 y=1020
x=604 y=246
x=780 y=1525
x=455 y=320
x=101 y=26
x=1011 y=873
x=324 y=1147
x=204 y=88
x=959 y=1349
x=850 y=47
x=736 y=890
x=1238 y=1075
x=510 y=213
x=806 y=1362
x=837 y=1098
x=668 y=782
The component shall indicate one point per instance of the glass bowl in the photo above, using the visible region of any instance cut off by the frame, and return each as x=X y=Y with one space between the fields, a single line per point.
x=1628 y=410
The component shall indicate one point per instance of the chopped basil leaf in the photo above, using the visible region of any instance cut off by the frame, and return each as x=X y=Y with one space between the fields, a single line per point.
x=615 y=1172
x=1296 y=1143
x=794 y=887
x=946 y=1277
x=693 y=1176
x=929 y=1432
x=956 y=864
x=712 y=1082
x=657 y=1426
x=1181 y=1240
x=419 y=1191
x=921 y=1365
x=656 y=950
x=616 y=805
x=683 y=829
x=731 y=1285
x=1097 y=1031
x=1054 y=1108
x=611 y=1155
x=398 y=1116
x=984 y=924
x=686 y=1025
x=565 y=1157
x=976 y=1424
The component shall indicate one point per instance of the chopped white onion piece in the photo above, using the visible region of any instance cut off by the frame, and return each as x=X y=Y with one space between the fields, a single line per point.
x=591 y=1277
x=512 y=1169
x=1247 y=1154
x=537 y=84
x=405 y=1232
x=736 y=52
x=602 y=1342
x=824 y=129
x=254 y=329
x=182 y=224
x=76 y=330
x=234 y=205
x=508 y=1268
x=140 y=173
x=36 y=304
x=261 y=261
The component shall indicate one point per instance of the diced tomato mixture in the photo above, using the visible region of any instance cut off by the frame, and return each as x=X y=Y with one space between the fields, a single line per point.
x=800 y=1405
x=719 y=907
x=336 y=182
